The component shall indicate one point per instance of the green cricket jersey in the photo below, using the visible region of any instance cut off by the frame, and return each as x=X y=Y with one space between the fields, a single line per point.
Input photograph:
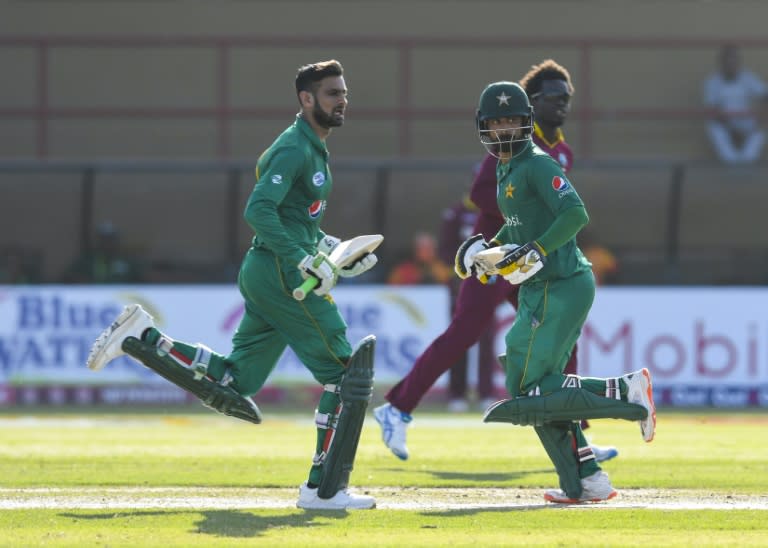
x=287 y=204
x=533 y=193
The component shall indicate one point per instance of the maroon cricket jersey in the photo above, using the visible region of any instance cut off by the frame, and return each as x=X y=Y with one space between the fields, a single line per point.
x=559 y=150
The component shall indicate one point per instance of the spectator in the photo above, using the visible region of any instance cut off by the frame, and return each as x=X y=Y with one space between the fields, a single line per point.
x=106 y=262
x=605 y=266
x=424 y=266
x=457 y=225
x=730 y=94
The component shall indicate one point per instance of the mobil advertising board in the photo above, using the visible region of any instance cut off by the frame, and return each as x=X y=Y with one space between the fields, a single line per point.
x=704 y=346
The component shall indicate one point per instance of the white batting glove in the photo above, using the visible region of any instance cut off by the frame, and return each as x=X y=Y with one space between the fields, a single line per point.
x=464 y=264
x=363 y=264
x=522 y=263
x=318 y=266
x=328 y=243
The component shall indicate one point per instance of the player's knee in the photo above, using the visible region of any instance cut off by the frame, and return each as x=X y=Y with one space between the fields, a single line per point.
x=330 y=376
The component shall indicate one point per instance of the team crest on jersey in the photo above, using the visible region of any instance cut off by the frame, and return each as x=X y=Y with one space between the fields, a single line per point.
x=318 y=179
x=277 y=179
x=316 y=209
x=560 y=183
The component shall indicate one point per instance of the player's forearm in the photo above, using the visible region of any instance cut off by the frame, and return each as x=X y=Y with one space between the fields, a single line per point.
x=565 y=227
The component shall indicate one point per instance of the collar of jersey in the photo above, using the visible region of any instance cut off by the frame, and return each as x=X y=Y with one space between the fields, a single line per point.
x=558 y=139
x=307 y=130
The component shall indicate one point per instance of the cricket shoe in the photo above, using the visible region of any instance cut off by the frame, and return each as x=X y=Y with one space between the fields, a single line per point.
x=343 y=500
x=640 y=391
x=131 y=322
x=594 y=488
x=603 y=454
x=393 y=424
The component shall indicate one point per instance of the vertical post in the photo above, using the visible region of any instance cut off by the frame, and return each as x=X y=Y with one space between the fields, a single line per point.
x=584 y=97
x=675 y=200
x=222 y=100
x=380 y=204
x=233 y=215
x=86 y=209
x=404 y=98
x=42 y=99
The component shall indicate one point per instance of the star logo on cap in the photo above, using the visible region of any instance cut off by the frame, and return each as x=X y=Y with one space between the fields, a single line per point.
x=503 y=99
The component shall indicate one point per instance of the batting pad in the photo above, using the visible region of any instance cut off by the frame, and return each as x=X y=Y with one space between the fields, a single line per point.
x=558 y=443
x=214 y=396
x=568 y=404
x=355 y=391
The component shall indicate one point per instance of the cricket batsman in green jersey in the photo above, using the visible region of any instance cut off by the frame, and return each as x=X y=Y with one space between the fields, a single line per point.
x=543 y=213
x=285 y=210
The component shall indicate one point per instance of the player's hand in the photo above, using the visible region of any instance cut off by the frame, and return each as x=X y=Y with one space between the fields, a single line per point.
x=464 y=264
x=328 y=243
x=521 y=263
x=318 y=266
x=363 y=264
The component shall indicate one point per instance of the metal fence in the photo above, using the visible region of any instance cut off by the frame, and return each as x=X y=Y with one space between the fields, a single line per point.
x=667 y=222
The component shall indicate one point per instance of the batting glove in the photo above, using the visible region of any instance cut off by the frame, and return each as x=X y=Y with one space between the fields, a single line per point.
x=328 y=243
x=522 y=263
x=464 y=264
x=363 y=264
x=318 y=266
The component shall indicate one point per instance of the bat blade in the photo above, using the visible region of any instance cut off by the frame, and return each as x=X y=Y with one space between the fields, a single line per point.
x=344 y=254
x=488 y=258
x=348 y=251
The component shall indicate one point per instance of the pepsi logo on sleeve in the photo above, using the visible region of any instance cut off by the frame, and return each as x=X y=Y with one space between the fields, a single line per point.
x=561 y=185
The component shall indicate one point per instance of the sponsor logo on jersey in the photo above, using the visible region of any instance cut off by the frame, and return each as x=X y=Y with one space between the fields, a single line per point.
x=317 y=207
x=514 y=220
x=318 y=179
x=277 y=179
x=560 y=183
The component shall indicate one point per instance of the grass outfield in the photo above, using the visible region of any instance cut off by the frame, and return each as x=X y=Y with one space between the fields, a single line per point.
x=207 y=480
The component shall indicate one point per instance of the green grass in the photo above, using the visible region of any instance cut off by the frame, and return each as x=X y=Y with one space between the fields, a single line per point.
x=377 y=528
x=709 y=453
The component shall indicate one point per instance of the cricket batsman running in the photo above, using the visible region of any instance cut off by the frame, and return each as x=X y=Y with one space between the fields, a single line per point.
x=537 y=250
x=284 y=210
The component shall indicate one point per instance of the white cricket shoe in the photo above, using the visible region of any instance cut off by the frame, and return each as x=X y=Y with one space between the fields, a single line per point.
x=393 y=424
x=343 y=500
x=640 y=391
x=603 y=454
x=594 y=488
x=131 y=322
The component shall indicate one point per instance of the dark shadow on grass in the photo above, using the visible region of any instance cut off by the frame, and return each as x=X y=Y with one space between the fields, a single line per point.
x=229 y=523
x=494 y=477
x=488 y=476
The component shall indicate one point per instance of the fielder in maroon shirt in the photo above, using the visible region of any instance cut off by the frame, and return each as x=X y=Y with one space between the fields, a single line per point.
x=549 y=89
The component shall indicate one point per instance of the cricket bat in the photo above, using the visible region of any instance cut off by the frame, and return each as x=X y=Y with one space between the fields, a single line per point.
x=344 y=254
x=488 y=258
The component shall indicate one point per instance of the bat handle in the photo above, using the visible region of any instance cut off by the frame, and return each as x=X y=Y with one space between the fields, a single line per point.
x=301 y=292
